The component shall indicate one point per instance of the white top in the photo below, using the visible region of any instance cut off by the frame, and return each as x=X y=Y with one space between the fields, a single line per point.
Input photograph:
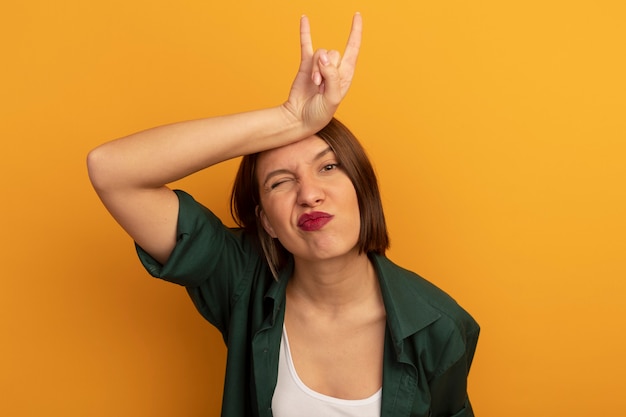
x=294 y=399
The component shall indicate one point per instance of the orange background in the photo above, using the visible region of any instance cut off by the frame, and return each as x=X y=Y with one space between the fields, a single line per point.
x=498 y=130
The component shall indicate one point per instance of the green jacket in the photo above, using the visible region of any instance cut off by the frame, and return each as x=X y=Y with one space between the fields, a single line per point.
x=429 y=345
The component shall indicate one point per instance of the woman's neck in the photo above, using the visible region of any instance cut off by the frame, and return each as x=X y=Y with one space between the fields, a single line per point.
x=336 y=284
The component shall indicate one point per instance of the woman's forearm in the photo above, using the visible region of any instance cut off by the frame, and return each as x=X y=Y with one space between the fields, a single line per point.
x=158 y=156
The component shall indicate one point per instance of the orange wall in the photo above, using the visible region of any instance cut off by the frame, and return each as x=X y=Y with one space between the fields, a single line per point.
x=498 y=130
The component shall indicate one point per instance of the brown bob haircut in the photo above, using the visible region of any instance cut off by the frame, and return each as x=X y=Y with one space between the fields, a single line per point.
x=245 y=197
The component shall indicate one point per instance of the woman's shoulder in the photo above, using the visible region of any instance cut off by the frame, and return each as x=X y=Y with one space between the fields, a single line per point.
x=195 y=217
x=205 y=248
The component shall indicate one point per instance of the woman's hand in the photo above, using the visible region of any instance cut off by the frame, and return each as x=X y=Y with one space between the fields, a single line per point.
x=323 y=78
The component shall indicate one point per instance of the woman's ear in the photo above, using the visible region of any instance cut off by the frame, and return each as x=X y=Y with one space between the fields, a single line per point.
x=265 y=222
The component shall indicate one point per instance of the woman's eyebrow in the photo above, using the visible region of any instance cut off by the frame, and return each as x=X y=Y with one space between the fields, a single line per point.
x=321 y=154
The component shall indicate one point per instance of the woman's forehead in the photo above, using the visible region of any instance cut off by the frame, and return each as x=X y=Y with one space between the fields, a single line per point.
x=304 y=151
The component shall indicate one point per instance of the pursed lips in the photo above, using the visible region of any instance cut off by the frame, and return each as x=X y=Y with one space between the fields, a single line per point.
x=312 y=221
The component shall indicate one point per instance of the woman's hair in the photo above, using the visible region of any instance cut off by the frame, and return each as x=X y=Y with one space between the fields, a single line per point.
x=246 y=201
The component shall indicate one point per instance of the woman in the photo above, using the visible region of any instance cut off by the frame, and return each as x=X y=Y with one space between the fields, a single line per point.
x=317 y=321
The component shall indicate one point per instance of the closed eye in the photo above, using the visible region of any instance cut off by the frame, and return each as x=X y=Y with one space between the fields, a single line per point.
x=279 y=183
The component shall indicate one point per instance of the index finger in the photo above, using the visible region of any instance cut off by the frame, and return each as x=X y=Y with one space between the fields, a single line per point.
x=354 y=40
x=306 y=44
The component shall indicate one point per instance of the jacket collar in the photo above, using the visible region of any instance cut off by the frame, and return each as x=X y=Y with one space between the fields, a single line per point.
x=275 y=295
x=407 y=310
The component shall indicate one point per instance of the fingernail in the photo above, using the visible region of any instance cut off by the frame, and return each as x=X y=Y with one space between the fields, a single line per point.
x=317 y=78
x=324 y=59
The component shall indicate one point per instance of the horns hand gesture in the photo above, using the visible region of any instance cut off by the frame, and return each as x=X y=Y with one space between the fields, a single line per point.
x=323 y=78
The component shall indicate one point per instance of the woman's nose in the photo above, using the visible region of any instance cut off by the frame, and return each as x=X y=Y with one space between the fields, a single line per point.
x=310 y=193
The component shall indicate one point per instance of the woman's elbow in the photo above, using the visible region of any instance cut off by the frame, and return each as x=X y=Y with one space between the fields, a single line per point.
x=99 y=168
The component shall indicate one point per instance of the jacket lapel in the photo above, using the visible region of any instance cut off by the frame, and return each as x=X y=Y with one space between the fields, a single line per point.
x=407 y=314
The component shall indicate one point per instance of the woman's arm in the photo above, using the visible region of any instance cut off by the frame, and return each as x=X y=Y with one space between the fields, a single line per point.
x=130 y=174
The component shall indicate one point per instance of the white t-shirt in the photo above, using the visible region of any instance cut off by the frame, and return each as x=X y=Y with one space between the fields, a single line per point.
x=294 y=399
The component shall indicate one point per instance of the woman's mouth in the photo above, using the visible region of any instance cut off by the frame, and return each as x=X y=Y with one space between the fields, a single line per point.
x=310 y=222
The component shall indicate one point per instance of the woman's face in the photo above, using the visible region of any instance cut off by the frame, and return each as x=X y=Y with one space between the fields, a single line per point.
x=308 y=201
